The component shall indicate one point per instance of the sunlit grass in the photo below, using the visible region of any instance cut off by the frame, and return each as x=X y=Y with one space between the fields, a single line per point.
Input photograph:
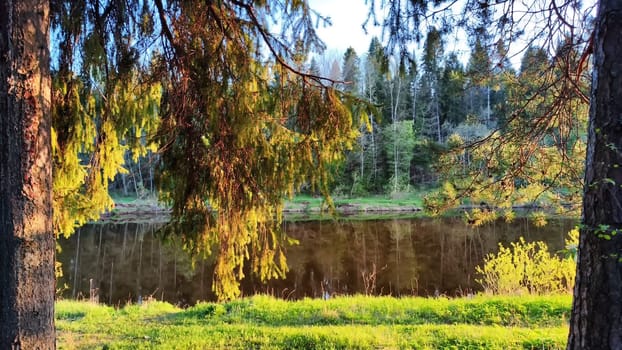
x=402 y=199
x=339 y=323
x=302 y=207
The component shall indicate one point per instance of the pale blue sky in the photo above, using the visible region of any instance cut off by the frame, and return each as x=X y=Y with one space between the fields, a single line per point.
x=347 y=17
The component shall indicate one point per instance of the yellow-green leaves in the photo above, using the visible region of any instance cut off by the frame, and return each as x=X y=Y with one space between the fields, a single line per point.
x=535 y=155
x=241 y=134
x=526 y=268
x=93 y=129
x=238 y=132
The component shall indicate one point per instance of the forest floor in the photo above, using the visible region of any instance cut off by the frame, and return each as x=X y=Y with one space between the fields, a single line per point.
x=355 y=322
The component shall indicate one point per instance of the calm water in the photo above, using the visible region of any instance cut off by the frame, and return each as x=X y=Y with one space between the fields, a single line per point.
x=129 y=262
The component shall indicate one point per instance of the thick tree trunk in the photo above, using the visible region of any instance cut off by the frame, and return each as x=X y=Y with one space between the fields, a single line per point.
x=596 y=321
x=26 y=234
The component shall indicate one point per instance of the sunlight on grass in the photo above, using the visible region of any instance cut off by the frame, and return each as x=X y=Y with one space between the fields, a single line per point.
x=358 y=322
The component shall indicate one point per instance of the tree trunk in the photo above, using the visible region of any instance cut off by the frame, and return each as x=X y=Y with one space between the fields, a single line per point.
x=394 y=118
x=596 y=321
x=26 y=234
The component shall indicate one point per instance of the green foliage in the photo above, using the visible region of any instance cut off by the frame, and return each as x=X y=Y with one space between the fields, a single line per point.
x=350 y=71
x=241 y=133
x=104 y=103
x=572 y=244
x=238 y=132
x=534 y=158
x=479 y=65
x=452 y=83
x=527 y=268
x=399 y=141
x=91 y=133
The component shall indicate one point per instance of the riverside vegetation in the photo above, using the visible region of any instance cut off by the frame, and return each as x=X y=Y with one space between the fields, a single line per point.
x=535 y=317
x=240 y=126
x=359 y=322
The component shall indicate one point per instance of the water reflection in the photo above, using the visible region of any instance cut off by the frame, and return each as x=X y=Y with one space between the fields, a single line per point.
x=128 y=262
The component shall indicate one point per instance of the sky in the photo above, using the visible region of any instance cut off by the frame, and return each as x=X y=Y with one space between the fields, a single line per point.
x=348 y=17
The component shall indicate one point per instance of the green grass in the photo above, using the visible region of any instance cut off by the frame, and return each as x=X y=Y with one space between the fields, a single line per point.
x=404 y=205
x=300 y=208
x=303 y=201
x=414 y=199
x=121 y=199
x=358 y=322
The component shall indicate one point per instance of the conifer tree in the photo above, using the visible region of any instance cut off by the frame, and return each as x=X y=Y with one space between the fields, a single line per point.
x=240 y=132
x=452 y=92
x=26 y=233
x=351 y=71
x=375 y=66
x=354 y=174
x=239 y=126
x=430 y=89
x=479 y=72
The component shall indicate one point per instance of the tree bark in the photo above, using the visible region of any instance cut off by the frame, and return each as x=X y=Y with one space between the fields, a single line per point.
x=596 y=321
x=26 y=233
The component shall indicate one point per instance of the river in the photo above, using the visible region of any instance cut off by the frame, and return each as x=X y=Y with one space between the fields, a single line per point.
x=128 y=262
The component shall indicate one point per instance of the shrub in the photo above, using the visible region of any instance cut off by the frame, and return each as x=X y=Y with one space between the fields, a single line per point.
x=526 y=268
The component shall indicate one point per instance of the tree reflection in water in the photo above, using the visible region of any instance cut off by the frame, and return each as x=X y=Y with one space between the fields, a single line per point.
x=129 y=262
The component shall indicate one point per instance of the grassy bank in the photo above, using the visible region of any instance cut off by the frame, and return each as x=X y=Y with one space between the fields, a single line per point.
x=340 y=323
x=301 y=207
x=369 y=203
